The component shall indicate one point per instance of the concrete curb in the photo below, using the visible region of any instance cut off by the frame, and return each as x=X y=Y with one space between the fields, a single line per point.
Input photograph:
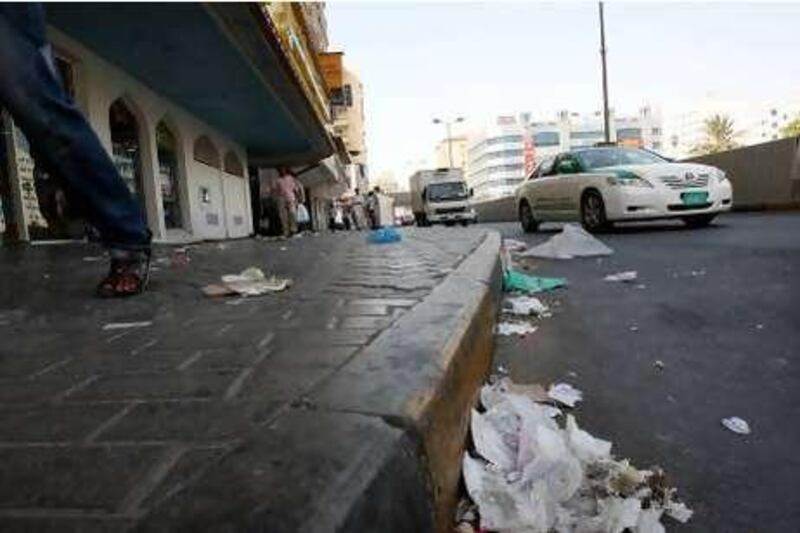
x=422 y=376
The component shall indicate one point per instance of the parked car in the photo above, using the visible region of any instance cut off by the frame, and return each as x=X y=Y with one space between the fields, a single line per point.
x=600 y=186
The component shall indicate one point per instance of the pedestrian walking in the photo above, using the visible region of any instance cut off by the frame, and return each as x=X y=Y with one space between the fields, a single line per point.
x=289 y=192
x=65 y=145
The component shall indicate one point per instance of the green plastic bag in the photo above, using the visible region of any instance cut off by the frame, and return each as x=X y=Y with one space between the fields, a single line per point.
x=517 y=281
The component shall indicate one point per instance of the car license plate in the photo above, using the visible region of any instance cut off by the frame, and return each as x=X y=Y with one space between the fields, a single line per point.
x=694 y=198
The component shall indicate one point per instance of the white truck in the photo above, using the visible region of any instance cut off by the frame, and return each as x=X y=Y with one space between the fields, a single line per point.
x=441 y=196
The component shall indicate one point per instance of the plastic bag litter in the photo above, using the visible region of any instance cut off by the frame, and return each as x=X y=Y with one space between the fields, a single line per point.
x=573 y=241
x=514 y=245
x=565 y=393
x=626 y=277
x=514 y=328
x=517 y=281
x=126 y=325
x=384 y=236
x=737 y=425
x=250 y=282
x=526 y=305
x=532 y=475
x=302 y=214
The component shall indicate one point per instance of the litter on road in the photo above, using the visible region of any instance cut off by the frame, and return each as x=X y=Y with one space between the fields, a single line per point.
x=517 y=281
x=386 y=235
x=659 y=364
x=127 y=325
x=737 y=425
x=565 y=393
x=514 y=328
x=532 y=473
x=250 y=282
x=526 y=306
x=513 y=245
x=573 y=241
x=626 y=277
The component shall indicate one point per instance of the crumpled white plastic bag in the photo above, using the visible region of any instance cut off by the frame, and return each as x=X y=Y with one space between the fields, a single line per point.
x=573 y=241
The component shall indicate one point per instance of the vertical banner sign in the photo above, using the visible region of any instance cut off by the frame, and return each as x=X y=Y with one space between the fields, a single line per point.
x=529 y=153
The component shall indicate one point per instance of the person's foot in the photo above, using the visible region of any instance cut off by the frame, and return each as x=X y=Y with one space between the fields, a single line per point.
x=128 y=275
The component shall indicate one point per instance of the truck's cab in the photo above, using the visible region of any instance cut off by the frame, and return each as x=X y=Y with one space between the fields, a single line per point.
x=448 y=203
x=441 y=196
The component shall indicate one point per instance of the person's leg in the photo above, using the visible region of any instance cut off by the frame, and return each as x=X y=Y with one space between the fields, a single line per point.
x=283 y=213
x=291 y=215
x=61 y=136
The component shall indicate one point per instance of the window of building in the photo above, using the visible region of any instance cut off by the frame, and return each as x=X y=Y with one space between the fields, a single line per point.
x=773 y=112
x=547 y=138
x=586 y=135
x=125 y=147
x=655 y=131
x=167 y=146
x=205 y=152
x=233 y=165
x=624 y=134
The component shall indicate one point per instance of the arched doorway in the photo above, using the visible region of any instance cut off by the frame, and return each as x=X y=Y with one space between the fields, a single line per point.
x=168 y=176
x=125 y=147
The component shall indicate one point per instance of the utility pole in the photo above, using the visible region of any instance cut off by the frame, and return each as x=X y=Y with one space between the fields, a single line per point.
x=606 y=120
x=448 y=128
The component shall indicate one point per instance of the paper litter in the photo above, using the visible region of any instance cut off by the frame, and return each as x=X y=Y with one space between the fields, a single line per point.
x=529 y=473
x=250 y=282
x=514 y=328
x=627 y=276
x=525 y=306
x=514 y=245
x=126 y=325
x=737 y=425
x=573 y=241
x=565 y=393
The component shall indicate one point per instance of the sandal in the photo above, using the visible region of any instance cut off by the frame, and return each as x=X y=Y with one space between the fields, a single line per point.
x=126 y=277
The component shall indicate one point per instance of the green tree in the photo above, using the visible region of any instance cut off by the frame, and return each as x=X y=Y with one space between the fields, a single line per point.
x=720 y=136
x=792 y=129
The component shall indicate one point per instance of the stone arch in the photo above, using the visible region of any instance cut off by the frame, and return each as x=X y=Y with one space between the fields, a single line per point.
x=172 y=177
x=206 y=152
x=128 y=130
x=233 y=165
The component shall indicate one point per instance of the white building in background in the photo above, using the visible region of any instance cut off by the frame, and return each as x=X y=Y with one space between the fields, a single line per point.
x=495 y=157
x=458 y=146
x=753 y=122
x=502 y=154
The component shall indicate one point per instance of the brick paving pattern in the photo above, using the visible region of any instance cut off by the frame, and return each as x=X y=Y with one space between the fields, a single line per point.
x=97 y=427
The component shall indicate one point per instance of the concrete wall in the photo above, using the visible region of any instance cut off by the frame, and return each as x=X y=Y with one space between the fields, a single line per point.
x=764 y=176
x=500 y=210
x=98 y=84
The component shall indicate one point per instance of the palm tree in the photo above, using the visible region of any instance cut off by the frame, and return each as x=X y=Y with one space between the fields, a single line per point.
x=720 y=135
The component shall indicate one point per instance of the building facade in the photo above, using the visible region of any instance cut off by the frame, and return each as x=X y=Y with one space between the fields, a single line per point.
x=190 y=101
x=495 y=157
x=458 y=146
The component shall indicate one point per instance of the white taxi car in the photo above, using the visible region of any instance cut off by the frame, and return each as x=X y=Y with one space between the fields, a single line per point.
x=600 y=186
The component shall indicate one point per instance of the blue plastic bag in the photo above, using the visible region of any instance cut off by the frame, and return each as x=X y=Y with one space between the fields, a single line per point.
x=384 y=236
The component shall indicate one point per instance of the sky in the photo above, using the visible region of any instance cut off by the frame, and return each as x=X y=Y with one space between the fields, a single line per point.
x=420 y=61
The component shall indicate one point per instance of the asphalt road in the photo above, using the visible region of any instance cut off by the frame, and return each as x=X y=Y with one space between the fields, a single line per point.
x=721 y=310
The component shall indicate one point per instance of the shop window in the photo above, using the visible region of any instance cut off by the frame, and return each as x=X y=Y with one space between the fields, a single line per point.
x=205 y=152
x=168 y=175
x=233 y=165
x=125 y=148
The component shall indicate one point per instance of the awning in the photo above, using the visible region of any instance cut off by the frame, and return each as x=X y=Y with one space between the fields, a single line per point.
x=220 y=61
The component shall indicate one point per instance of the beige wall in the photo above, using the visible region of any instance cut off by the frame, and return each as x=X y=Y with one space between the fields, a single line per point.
x=349 y=121
x=441 y=157
x=763 y=175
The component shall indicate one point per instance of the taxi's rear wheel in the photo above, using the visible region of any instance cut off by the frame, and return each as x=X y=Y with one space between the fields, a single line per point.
x=593 y=212
x=529 y=223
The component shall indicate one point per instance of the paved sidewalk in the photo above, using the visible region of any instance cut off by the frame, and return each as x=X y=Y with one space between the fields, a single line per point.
x=105 y=430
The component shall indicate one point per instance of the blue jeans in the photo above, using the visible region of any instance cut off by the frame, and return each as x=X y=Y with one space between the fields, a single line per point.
x=60 y=137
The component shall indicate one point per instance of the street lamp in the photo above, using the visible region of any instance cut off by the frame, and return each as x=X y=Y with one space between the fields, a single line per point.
x=448 y=125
